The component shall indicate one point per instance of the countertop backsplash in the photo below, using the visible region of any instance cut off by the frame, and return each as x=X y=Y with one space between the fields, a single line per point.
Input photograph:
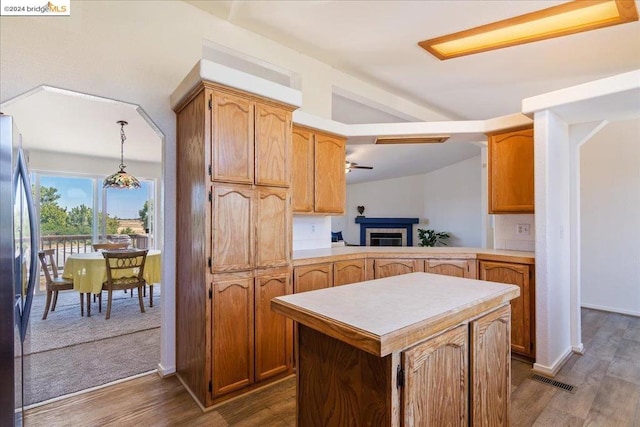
x=514 y=232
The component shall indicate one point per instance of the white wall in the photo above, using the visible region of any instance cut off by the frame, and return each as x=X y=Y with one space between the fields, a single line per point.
x=139 y=51
x=610 y=218
x=448 y=199
x=506 y=236
x=311 y=232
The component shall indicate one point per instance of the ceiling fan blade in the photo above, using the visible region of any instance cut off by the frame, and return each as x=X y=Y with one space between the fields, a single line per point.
x=361 y=167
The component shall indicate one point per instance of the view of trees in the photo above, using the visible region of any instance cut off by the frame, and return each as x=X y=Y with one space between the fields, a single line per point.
x=56 y=220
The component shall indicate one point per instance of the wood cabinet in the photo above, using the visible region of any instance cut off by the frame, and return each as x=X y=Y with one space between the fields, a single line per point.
x=318 y=182
x=436 y=372
x=346 y=272
x=451 y=267
x=232 y=335
x=232 y=228
x=303 y=178
x=490 y=352
x=522 y=308
x=251 y=141
x=442 y=364
x=312 y=277
x=273 y=332
x=233 y=250
x=395 y=266
x=273 y=227
x=511 y=179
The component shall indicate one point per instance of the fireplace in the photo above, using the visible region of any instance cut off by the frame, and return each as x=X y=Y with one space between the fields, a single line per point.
x=386 y=231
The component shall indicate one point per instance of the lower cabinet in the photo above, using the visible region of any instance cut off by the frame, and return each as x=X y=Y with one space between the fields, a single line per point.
x=312 y=277
x=436 y=371
x=522 y=308
x=346 y=272
x=460 y=377
x=273 y=332
x=395 y=267
x=451 y=267
x=232 y=329
x=250 y=342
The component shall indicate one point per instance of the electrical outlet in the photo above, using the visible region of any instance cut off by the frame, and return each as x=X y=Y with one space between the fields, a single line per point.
x=313 y=228
x=522 y=229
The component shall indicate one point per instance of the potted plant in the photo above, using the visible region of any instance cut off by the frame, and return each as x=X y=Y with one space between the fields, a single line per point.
x=431 y=238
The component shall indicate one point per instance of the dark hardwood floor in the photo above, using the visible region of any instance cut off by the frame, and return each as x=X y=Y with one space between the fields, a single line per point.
x=607 y=380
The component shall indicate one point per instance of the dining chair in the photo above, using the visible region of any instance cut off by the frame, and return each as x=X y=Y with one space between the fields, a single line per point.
x=125 y=270
x=55 y=283
x=109 y=246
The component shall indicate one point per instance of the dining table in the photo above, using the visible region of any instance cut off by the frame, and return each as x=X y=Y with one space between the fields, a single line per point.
x=89 y=270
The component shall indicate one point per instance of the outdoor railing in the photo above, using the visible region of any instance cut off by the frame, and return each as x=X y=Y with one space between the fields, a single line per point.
x=80 y=243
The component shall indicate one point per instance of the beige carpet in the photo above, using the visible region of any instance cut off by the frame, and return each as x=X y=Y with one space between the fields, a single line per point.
x=67 y=353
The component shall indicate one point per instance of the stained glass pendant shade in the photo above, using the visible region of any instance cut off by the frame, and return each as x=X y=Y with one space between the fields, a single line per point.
x=121 y=179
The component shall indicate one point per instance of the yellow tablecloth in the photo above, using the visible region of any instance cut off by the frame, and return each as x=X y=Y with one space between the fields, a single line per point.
x=89 y=270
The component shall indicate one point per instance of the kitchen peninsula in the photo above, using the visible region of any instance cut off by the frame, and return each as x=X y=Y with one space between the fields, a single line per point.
x=404 y=350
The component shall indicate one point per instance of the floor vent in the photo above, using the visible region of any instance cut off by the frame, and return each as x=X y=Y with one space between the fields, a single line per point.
x=549 y=381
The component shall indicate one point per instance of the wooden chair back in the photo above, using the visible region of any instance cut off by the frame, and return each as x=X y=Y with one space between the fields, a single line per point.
x=48 y=263
x=109 y=246
x=117 y=261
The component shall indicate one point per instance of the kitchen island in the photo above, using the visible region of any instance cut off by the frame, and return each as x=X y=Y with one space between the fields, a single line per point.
x=416 y=350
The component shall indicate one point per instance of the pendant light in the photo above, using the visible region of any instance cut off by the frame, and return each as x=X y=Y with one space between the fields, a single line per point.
x=121 y=179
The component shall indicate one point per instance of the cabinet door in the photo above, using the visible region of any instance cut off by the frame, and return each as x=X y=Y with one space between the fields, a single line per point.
x=312 y=277
x=303 y=171
x=345 y=272
x=511 y=172
x=273 y=332
x=273 y=227
x=232 y=335
x=522 y=321
x=232 y=234
x=232 y=134
x=273 y=146
x=394 y=267
x=329 y=174
x=451 y=267
x=491 y=369
x=435 y=391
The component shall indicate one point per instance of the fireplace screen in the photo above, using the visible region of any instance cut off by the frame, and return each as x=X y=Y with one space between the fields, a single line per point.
x=386 y=237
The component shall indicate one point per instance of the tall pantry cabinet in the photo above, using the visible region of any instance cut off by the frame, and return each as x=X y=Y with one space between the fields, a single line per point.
x=234 y=160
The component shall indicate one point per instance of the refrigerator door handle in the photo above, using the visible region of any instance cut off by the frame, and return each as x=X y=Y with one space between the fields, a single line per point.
x=21 y=175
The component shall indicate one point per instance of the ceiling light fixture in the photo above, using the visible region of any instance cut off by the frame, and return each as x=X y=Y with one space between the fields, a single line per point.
x=568 y=18
x=121 y=179
x=412 y=139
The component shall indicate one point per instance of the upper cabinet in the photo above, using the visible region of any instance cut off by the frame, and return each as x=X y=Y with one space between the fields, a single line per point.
x=511 y=172
x=251 y=141
x=318 y=182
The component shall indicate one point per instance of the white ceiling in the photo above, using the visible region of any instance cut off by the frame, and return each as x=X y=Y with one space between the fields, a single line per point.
x=52 y=119
x=377 y=42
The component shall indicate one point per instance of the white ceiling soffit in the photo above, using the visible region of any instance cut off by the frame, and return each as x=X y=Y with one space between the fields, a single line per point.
x=53 y=119
x=377 y=42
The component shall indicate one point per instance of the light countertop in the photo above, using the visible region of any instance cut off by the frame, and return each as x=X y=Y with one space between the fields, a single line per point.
x=385 y=315
x=312 y=256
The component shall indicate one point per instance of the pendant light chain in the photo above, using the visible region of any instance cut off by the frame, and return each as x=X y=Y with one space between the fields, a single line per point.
x=122 y=139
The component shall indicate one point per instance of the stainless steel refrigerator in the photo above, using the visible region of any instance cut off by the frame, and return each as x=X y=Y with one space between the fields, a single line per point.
x=18 y=269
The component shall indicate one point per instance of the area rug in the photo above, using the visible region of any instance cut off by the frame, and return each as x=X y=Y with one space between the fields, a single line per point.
x=54 y=373
x=67 y=353
x=65 y=326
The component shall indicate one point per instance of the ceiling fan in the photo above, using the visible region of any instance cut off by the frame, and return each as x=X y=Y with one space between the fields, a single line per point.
x=348 y=166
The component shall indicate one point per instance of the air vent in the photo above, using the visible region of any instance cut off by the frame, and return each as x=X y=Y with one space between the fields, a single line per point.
x=553 y=383
x=412 y=139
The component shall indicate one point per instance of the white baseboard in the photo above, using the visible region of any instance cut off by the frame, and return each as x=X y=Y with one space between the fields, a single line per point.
x=611 y=309
x=164 y=371
x=552 y=371
x=578 y=349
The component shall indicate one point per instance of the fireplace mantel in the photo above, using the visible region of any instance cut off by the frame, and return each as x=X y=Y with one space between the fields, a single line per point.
x=406 y=223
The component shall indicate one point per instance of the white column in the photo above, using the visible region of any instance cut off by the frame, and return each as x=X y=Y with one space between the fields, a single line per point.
x=553 y=278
